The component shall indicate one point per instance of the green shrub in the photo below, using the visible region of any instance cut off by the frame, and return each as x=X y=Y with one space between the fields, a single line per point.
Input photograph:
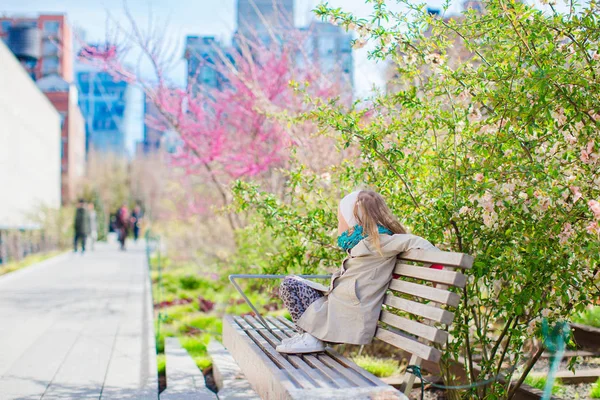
x=209 y=323
x=590 y=316
x=160 y=340
x=176 y=313
x=189 y=282
x=378 y=366
x=161 y=363
x=203 y=362
x=539 y=382
x=595 y=392
x=195 y=346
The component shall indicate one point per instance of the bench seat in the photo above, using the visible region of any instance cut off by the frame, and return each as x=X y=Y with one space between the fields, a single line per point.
x=326 y=375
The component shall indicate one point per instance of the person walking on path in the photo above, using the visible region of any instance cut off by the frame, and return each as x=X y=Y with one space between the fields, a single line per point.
x=122 y=223
x=136 y=216
x=81 y=226
x=93 y=225
x=348 y=310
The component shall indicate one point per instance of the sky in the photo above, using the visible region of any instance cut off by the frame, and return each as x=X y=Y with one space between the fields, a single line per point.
x=193 y=17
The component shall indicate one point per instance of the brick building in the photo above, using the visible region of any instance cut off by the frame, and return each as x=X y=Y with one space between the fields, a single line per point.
x=63 y=97
x=56 y=44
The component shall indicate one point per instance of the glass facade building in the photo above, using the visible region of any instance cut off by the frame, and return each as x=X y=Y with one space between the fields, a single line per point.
x=103 y=102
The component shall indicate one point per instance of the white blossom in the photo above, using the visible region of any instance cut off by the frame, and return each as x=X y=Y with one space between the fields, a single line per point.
x=359 y=43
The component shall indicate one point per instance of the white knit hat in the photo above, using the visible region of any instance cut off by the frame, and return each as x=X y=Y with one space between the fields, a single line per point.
x=347 y=205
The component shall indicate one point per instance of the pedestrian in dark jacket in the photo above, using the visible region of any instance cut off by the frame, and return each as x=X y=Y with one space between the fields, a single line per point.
x=81 y=226
x=136 y=217
x=122 y=224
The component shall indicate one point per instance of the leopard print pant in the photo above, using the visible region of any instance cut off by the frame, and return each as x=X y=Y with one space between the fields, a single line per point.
x=297 y=296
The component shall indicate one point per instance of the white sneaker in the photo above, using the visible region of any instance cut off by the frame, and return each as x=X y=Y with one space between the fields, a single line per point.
x=306 y=343
x=291 y=339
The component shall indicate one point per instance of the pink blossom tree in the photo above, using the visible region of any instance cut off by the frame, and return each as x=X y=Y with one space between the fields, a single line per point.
x=237 y=131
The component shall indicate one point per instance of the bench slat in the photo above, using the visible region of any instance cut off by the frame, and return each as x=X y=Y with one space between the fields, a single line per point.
x=312 y=360
x=426 y=292
x=422 y=310
x=296 y=361
x=458 y=260
x=433 y=275
x=300 y=376
x=412 y=346
x=254 y=363
x=415 y=328
x=345 y=366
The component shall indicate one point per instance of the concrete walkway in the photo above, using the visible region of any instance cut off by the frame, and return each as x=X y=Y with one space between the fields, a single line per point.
x=79 y=327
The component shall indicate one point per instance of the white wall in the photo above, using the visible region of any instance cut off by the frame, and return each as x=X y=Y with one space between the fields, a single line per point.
x=30 y=141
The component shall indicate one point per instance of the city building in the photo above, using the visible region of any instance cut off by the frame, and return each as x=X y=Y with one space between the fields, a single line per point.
x=50 y=35
x=156 y=139
x=202 y=53
x=103 y=101
x=258 y=18
x=64 y=97
x=330 y=47
x=30 y=145
x=152 y=135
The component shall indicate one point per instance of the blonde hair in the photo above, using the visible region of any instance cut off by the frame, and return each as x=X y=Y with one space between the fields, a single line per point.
x=371 y=211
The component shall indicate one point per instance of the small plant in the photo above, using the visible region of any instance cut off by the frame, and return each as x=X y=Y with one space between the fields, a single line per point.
x=189 y=282
x=590 y=316
x=161 y=363
x=595 y=391
x=203 y=362
x=195 y=346
x=378 y=366
x=539 y=382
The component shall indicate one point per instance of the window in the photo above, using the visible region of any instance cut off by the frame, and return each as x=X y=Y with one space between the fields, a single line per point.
x=49 y=65
x=63 y=152
x=51 y=27
x=49 y=48
x=326 y=46
x=5 y=26
x=101 y=109
x=208 y=75
x=84 y=87
x=118 y=108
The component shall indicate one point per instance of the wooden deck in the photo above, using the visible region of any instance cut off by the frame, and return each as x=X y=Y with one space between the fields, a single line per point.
x=79 y=327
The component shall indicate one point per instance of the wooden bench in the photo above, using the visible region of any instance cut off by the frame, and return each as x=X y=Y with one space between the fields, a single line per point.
x=414 y=318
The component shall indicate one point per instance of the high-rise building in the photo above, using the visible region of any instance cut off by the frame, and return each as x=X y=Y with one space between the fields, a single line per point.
x=202 y=53
x=257 y=17
x=152 y=134
x=64 y=98
x=52 y=36
x=272 y=22
x=266 y=21
x=330 y=47
x=102 y=100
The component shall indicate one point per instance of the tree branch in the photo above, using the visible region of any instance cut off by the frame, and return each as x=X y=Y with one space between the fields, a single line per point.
x=528 y=368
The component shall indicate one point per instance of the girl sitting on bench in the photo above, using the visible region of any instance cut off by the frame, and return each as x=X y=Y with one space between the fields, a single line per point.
x=348 y=310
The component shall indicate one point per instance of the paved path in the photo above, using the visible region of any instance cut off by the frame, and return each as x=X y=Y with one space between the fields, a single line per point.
x=78 y=327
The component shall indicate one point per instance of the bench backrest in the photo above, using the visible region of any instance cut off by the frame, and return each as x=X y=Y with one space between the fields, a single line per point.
x=422 y=292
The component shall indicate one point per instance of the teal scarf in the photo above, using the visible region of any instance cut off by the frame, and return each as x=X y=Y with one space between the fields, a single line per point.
x=348 y=240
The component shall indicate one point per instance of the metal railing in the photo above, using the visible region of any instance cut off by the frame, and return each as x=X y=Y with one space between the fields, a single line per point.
x=232 y=279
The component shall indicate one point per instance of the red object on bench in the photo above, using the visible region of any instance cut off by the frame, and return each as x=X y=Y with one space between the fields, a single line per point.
x=434 y=266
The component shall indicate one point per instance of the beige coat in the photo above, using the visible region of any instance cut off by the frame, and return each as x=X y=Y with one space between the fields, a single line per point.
x=349 y=311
